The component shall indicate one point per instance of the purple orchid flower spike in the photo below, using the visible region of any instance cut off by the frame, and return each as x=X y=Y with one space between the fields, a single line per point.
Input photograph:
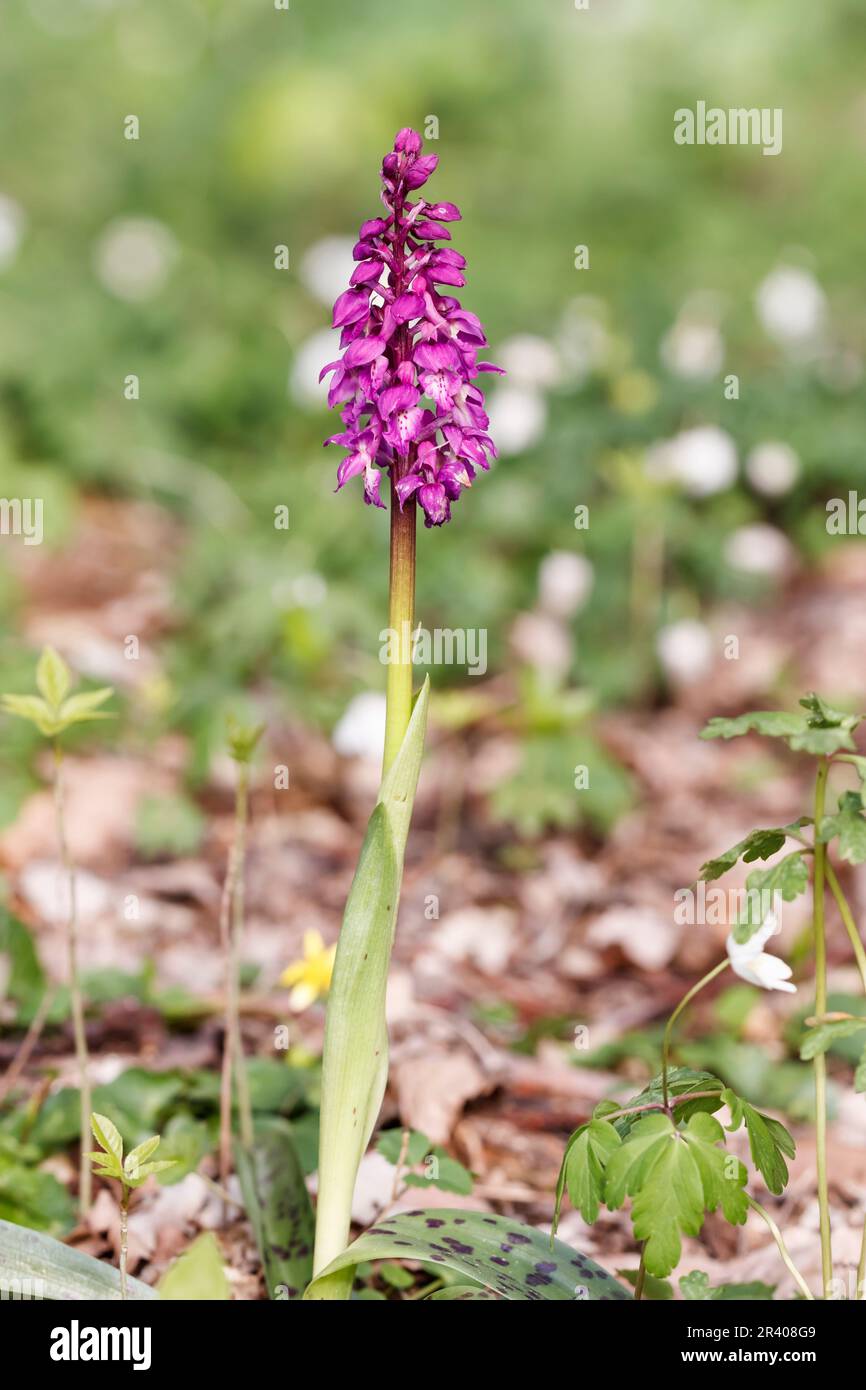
x=404 y=381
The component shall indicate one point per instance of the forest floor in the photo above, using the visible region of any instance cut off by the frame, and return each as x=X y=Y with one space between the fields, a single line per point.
x=530 y=979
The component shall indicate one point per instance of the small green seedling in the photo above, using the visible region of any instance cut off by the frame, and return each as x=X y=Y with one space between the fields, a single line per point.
x=109 y=1162
x=53 y=711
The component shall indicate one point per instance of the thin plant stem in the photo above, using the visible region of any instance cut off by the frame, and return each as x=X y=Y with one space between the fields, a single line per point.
x=76 y=997
x=401 y=616
x=860 y=956
x=641 y=1274
x=31 y=1038
x=686 y=999
x=231 y=928
x=124 y=1236
x=848 y=918
x=245 y=1109
x=820 y=1062
x=783 y=1249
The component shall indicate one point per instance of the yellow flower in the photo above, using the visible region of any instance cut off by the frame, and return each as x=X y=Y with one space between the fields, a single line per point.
x=310 y=977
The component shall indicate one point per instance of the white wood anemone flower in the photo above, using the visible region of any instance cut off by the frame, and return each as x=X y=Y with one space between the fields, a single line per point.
x=751 y=962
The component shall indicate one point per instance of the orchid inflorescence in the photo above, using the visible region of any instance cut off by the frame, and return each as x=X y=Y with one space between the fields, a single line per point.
x=405 y=341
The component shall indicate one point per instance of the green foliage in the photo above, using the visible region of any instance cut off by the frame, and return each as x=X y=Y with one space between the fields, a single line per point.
x=440 y=1169
x=278 y=1207
x=673 y=1169
x=818 y=1039
x=654 y=1290
x=769 y=1141
x=51 y=712
x=59 y=1272
x=198 y=1275
x=758 y=844
x=242 y=739
x=132 y=1170
x=696 y=1288
x=542 y=794
x=681 y=1080
x=750 y=1070
x=29 y=1196
x=673 y=1177
x=768 y=723
x=515 y=1261
x=463 y=1293
x=820 y=731
x=168 y=825
x=25 y=981
x=583 y=1169
x=789 y=878
x=850 y=825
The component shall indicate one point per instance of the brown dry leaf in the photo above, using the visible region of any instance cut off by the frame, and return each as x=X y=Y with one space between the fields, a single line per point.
x=644 y=936
x=102 y=796
x=432 y=1090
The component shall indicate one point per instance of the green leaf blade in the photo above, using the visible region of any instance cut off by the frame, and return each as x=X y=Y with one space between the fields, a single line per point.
x=58 y=1272
x=513 y=1260
x=278 y=1207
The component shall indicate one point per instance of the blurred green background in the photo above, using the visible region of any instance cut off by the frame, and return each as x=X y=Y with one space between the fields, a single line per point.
x=261 y=127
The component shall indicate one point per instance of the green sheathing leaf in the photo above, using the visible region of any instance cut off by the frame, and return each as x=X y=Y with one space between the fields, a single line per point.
x=52 y=1270
x=278 y=1207
x=515 y=1261
x=198 y=1275
x=355 y=1054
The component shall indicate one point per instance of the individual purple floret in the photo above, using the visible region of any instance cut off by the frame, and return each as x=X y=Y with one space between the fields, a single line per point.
x=404 y=381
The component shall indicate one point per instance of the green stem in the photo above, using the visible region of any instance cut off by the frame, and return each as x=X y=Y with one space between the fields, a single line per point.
x=860 y=956
x=641 y=1274
x=124 y=1235
x=820 y=1063
x=401 y=618
x=783 y=1250
x=848 y=918
x=76 y=997
x=686 y=999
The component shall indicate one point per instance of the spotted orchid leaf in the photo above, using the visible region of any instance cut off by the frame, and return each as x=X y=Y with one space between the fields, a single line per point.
x=278 y=1208
x=517 y=1262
